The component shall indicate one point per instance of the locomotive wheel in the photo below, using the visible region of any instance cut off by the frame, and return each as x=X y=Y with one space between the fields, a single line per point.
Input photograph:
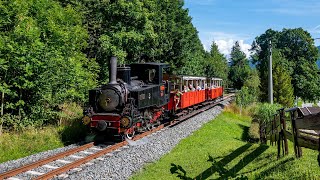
x=130 y=136
x=149 y=126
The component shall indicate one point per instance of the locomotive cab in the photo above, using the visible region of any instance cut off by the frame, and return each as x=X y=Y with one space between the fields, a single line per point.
x=155 y=92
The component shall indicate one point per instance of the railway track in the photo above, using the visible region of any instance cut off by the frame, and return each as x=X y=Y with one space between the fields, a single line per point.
x=98 y=151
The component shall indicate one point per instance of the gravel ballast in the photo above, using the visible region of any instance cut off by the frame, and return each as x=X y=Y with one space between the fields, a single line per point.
x=124 y=163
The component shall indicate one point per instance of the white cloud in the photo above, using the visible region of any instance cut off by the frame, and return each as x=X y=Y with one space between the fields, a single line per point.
x=225 y=46
x=225 y=41
x=317 y=29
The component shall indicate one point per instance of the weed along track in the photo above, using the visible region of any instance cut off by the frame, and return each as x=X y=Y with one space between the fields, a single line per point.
x=73 y=160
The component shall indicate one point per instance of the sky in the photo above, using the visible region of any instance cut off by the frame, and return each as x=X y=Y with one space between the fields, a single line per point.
x=227 y=21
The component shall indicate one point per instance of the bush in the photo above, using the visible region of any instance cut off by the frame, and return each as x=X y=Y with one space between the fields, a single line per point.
x=254 y=131
x=71 y=128
x=264 y=112
x=74 y=132
x=69 y=112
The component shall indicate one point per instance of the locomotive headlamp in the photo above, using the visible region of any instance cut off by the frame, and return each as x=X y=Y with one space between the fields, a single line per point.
x=86 y=120
x=126 y=122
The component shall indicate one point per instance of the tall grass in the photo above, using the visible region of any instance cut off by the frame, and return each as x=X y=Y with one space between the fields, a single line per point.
x=30 y=140
x=17 y=145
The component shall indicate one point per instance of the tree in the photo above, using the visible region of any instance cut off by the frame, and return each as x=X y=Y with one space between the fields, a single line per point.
x=282 y=87
x=244 y=98
x=216 y=63
x=297 y=47
x=141 y=30
x=41 y=58
x=240 y=68
x=253 y=83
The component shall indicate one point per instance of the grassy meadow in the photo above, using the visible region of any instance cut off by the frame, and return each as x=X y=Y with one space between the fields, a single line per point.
x=219 y=150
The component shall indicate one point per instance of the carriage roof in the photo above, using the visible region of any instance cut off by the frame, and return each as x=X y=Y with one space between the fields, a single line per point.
x=185 y=77
x=216 y=79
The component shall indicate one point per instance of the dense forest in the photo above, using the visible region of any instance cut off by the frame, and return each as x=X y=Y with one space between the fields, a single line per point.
x=53 y=52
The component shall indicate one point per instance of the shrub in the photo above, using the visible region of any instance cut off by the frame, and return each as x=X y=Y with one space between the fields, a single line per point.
x=69 y=112
x=254 y=133
x=264 y=112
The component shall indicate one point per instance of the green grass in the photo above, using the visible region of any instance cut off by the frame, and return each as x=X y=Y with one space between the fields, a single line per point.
x=17 y=145
x=219 y=151
x=31 y=140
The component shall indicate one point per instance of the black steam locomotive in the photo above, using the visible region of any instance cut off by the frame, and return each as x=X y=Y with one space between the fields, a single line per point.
x=133 y=100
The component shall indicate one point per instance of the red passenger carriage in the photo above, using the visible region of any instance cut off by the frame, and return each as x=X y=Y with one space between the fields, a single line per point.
x=194 y=90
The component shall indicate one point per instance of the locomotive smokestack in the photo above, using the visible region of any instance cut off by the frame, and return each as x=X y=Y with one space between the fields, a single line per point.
x=113 y=71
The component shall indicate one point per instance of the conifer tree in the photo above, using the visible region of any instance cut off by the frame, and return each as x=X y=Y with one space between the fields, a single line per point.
x=240 y=68
x=282 y=87
x=216 y=63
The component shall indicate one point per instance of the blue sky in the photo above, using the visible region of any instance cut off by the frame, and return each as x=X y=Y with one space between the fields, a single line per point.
x=225 y=21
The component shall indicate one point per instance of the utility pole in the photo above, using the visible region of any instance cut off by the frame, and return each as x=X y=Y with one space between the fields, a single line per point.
x=270 y=82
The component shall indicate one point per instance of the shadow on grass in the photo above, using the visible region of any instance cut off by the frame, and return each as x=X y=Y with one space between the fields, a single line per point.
x=219 y=166
x=278 y=167
x=245 y=132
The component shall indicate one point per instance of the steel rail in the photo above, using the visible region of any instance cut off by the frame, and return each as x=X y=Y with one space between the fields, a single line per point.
x=27 y=167
x=84 y=160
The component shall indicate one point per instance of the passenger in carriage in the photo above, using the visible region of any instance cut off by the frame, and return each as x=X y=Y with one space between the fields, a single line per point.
x=191 y=87
x=185 y=89
x=198 y=88
x=177 y=96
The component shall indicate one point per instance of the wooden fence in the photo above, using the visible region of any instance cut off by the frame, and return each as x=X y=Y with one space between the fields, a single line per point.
x=303 y=130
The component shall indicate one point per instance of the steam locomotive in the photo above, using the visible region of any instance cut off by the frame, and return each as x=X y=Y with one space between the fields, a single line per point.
x=141 y=96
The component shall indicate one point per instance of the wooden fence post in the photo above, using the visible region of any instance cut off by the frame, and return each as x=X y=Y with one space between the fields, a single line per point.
x=319 y=152
x=263 y=132
x=297 y=148
x=279 y=133
x=283 y=129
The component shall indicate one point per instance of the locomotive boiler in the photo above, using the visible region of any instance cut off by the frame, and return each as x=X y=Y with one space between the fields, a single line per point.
x=133 y=100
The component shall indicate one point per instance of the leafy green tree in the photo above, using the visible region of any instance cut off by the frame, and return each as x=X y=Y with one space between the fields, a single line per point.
x=216 y=63
x=249 y=91
x=42 y=64
x=141 y=30
x=240 y=68
x=253 y=83
x=297 y=47
x=244 y=98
